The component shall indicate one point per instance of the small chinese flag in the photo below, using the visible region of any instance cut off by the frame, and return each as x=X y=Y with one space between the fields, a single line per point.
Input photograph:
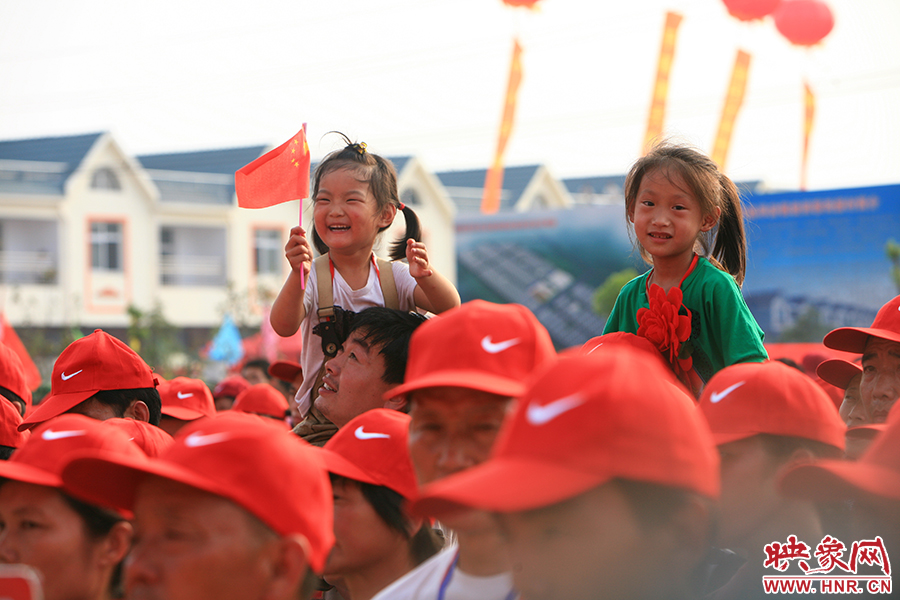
x=277 y=176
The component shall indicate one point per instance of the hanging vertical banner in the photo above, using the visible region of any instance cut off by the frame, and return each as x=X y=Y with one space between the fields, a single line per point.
x=661 y=89
x=493 y=182
x=809 y=101
x=733 y=101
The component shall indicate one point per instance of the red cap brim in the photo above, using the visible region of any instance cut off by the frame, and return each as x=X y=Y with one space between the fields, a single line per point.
x=180 y=412
x=28 y=474
x=473 y=380
x=53 y=406
x=839 y=480
x=504 y=485
x=853 y=339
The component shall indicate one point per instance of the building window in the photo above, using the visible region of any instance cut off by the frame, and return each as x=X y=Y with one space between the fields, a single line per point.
x=105 y=178
x=106 y=246
x=268 y=251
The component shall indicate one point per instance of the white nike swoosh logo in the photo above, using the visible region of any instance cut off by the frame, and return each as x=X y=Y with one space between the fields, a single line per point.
x=365 y=435
x=68 y=377
x=495 y=347
x=540 y=415
x=717 y=397
x=198 y=439
x=59 y=435
x=183 y=396
x=595 y=347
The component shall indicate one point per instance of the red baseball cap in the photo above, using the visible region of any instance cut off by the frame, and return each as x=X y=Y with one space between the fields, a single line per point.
x=149 y=438
x=41 y=459
x=268 y=471
x=373 y=448
x=285 y=370
x=853 y=339
x=262 y=399
x=12 y=374
x=230 y=387
x=876 y=472
x=584 y=421
x=748 y=399
x=482 y=346
x=10 y=419
x=88 y=365
x=611 y=342
x=186 y=399
x=838 y=372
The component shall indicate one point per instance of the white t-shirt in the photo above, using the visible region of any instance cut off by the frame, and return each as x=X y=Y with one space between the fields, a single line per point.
x=355 y=300
x=424 y=582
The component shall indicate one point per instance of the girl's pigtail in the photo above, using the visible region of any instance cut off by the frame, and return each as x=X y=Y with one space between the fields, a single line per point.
x=730 y=248
x=413 y=232
x=318 y=243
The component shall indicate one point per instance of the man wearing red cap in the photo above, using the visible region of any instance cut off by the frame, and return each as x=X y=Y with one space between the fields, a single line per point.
x=465 y=367
x=184 y=399
x=100 y=377
x=263 y=400
x=214 y=520
x=603 y=481
x=879 y=344
x=765 y=417
x=13 y=384
x=227 y=390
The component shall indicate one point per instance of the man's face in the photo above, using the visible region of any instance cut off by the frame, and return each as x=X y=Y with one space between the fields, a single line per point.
x=353 y=381
x=880 y=385
x=589 y=546
x=255 y=375
x=852 y=411
x=452 y=429
x=749 y=495
x=194 y=545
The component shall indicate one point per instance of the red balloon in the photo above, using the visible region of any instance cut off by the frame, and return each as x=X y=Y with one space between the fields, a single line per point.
x=750 y=10
x=804 y=22
x=525 y=3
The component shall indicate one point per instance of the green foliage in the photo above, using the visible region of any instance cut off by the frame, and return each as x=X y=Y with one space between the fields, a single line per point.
x=605 y=295
x=151 y=336
x=807 y=328
x=892 y=249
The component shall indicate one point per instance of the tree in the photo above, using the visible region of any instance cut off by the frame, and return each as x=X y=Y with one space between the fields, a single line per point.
x=892 y=249
x=605 y=295
x=151 y=336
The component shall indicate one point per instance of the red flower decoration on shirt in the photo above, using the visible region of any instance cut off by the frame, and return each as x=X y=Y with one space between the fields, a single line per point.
x=662 y=324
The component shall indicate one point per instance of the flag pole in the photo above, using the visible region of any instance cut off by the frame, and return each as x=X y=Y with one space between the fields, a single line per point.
x=300 y=222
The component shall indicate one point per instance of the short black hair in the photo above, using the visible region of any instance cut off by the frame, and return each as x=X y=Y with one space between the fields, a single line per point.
x=6 y=452
x=260 y=363
x=391 y=330
x=120 y=400
x=389 y=506
x=98 y=522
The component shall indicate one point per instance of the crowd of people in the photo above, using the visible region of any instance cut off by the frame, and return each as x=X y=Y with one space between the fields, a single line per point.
x=462 y=455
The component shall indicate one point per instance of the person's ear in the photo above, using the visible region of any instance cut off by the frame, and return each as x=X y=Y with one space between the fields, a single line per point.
x=288 y=566
x=387 y=216
x=709 y=221
x=396 y=403
x=138 y=411
x=116 y=544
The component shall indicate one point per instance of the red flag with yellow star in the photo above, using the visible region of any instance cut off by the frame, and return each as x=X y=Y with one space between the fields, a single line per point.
x=277 y=176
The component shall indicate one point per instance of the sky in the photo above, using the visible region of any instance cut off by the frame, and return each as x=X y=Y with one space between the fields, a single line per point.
x=428 y=78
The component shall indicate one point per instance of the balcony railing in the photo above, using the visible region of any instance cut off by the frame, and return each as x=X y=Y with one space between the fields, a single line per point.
x=24 y=266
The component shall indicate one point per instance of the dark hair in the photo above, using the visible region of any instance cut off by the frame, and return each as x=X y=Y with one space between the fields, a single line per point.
x=14 y=398
x=391 y=330
x=259 y=363
x=725 y=245
x=6 y=452
x=98 y=522
x=381 y=176
x=781 y=447
x=389 y=506
x=120 y=400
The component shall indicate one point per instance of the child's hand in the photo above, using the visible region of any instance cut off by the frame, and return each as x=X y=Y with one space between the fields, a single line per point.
x=298 y=251
x=417 y=257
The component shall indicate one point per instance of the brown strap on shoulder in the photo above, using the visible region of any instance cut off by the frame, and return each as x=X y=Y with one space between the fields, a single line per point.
x=324 y=287
x=388 y=289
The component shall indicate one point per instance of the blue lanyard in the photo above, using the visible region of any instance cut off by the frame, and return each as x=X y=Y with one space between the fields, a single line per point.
x=445 y=582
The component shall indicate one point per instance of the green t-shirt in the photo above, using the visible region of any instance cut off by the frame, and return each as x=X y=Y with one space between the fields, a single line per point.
x=723 y=330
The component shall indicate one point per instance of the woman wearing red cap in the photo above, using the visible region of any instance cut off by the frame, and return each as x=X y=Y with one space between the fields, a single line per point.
x=376 y=540
x=75 y=547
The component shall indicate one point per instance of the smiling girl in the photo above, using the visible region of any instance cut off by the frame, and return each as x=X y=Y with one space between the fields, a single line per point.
x=355 y=199
x=686 y=220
